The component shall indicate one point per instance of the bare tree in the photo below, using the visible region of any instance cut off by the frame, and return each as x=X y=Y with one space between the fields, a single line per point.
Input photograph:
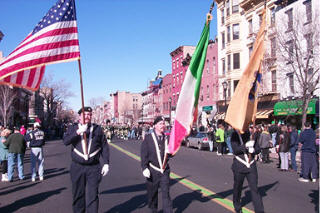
x=55 y=93
x=7 y=97
x=298 y=55
x=94 y=102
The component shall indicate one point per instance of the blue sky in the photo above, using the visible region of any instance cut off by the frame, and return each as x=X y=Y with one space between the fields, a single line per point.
x=123 y=43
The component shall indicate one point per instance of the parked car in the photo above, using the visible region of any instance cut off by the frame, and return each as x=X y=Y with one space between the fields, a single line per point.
x=200 y=141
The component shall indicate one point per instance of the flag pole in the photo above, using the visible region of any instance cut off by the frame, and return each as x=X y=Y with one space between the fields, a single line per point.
x=208 y=19
x=82 y=105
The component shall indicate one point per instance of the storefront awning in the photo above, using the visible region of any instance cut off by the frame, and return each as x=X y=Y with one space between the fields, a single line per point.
x=264 y=114
x=294 y=107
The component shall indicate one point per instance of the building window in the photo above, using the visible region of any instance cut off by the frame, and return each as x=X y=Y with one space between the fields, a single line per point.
x=223 y=40
x=177 y=62
x=308 y=10
x=235 y=84
x=290 y=19
x=223 y=61
x=250 y=50
x=214 y=65
x=235 y=6
x=229 y=88
x=222 y=16
x=250 y=26
x=235 y=33
x=208 y=92
x=228 y=8
x=273 y=47
x=309 y=43
x=274 y=80
x=291 y=82
x=236 y=61
x=208 y=71
x=273 y=16
x=290 y=51
x=229 y=63
x=228 y=33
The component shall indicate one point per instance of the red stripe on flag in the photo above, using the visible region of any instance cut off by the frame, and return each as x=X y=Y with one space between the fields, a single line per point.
x=20 y=77
x=31 y=77
x=55 y=32
x=40 y=78
x=47 y=46
x=40 y=61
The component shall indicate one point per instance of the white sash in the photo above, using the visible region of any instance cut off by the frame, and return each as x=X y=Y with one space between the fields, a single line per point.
x=160 y=169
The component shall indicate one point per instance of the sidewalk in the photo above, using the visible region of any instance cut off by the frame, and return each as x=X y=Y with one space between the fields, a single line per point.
x=275 y=155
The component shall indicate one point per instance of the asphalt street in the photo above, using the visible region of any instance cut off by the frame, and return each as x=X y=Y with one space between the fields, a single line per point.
x=201 y=182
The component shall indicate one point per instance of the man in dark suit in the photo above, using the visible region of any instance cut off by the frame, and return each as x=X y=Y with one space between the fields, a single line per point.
x=85 y=168
x=244 y=166
x=153 y=158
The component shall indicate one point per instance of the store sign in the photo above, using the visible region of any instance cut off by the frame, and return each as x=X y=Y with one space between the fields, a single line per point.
x=293 y=107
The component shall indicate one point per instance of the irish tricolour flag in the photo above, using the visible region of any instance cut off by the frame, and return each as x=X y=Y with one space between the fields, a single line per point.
x=186 y=111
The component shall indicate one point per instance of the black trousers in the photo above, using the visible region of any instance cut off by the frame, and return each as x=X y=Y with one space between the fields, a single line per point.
x=156 y=181
x=252 y=178
x=4 y=166
x=265 y=155
x=85 y=182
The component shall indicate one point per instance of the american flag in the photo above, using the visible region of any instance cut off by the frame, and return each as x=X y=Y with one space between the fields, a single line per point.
x=29 y=79
x=53 y=40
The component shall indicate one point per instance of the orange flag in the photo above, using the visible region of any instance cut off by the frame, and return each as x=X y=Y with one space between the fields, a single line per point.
x=243 y=105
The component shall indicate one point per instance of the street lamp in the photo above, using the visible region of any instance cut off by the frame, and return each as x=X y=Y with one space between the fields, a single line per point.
x=170 y=112
x=142 y=113
x=225 y=87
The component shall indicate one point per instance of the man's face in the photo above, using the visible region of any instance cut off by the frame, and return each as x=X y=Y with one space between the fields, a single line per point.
x=160 y=126
x=87 y=118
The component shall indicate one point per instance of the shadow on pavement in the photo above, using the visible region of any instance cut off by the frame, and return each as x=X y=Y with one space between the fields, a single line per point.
x=30 y=200
x=136 y=202
x=17 y=189
x=263 y=192
x=314 y=195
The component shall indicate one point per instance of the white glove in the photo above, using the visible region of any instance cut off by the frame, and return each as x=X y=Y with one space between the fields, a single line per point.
x=82 y=128
x=105 y=169
x=146 y=173
x=249 y=146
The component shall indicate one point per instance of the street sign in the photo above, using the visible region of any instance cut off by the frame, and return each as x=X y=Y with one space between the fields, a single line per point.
x=206 y=108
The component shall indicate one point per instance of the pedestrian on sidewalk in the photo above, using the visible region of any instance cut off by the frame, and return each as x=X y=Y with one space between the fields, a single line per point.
x=244 y=166
x=228 y=133
x=294 y=142
x=17 y=147
x=264 y=143
x=4 y=154
x=308 y=154
x=153 y=155
x=220 y=138
x=85 y=168
x=284 y=146
x=36 y=142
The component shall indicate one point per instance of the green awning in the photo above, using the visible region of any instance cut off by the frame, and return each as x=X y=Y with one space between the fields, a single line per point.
x=294 y=107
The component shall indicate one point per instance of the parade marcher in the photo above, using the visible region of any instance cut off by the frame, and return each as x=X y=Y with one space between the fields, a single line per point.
x=16 y=147
x=228 y=133
x=153 y=152
x=36 y=141
x=308 y=154
x=4 y=154
x=244 y=166
x=85 y=168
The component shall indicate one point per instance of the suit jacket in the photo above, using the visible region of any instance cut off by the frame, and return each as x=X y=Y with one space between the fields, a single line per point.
x=151 y=154
x=98 y=142
x=240 y=152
